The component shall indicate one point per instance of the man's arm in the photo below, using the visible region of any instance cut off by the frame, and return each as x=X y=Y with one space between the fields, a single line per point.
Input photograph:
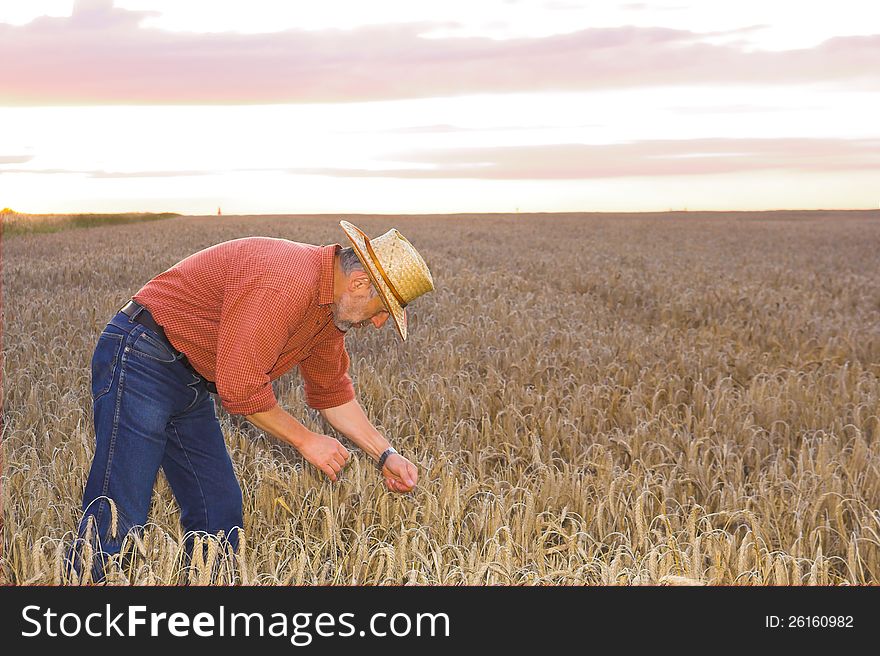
x=349 y=419
x=329 y=389
x=324 y=452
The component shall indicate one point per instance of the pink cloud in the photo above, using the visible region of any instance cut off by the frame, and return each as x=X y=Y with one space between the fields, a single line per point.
x=103 y=55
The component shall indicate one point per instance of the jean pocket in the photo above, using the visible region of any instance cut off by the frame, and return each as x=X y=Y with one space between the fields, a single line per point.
x=152 y=347
x=104 y=363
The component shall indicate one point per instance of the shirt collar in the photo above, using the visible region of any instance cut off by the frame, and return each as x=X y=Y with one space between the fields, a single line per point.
x=328 y=268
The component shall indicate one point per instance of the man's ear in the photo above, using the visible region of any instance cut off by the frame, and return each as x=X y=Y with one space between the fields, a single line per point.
x=358 y=280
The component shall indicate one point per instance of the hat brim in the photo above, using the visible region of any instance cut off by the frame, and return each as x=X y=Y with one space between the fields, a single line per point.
x=395 y=309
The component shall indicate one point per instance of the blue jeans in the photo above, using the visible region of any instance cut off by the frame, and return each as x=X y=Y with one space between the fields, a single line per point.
x=151 y=411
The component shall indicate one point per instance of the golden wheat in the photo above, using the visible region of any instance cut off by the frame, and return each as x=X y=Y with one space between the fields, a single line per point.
x=591 y=399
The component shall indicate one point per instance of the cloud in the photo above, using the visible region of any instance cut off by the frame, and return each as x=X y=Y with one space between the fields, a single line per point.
x=655 y=158
x=428 y=129
x=15 y=159
x=146 y=174
x=444 y=128
x=103 y=55
x=640 y=158
x=739 y=108
x=559 y=5
x=101 y=15
x=110 y=174
x=644 y=6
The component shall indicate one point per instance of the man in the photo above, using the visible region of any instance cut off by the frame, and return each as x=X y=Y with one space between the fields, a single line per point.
x=229 y=320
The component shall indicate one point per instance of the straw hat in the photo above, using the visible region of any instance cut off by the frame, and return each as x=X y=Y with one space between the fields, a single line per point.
x=398 y=272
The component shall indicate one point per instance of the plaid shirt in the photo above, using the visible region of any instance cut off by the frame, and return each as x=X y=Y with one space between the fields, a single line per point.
x=246 y=311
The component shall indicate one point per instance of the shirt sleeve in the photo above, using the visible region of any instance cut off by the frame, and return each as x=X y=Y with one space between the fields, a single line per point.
x=254 y=328
x=325 y=374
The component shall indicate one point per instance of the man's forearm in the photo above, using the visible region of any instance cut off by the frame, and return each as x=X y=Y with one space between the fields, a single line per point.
x=350 y=420
x=281 y=424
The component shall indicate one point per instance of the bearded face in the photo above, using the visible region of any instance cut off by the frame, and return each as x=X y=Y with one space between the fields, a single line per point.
x=355 y=310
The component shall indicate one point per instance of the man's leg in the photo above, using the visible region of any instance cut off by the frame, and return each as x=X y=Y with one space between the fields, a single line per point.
x=137 y=384
x=199 y=470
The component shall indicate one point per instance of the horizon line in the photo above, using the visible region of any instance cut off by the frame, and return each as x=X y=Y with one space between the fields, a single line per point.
x=461 y=213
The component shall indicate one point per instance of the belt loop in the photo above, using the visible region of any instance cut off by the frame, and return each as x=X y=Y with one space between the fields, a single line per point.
x=138 y=309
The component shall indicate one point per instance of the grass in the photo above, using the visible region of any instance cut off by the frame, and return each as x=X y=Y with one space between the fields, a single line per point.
x=26 y=224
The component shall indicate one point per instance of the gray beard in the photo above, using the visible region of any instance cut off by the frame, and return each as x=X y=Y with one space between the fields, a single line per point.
x=344 y=325
x=338 y=309
x=345 y=307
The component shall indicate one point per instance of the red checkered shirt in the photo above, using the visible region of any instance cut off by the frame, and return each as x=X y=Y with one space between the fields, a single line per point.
x=246 y=311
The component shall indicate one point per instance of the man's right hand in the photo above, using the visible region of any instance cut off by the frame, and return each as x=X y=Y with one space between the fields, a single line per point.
x=324 y=452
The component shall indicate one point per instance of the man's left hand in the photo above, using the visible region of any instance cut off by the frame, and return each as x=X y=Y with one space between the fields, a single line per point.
x=400 y=474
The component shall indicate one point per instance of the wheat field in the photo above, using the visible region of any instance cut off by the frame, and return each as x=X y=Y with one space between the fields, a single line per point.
x=645 y=399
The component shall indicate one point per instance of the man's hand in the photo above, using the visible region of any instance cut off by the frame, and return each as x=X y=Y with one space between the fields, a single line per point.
x=400 y=474
x=326 y=453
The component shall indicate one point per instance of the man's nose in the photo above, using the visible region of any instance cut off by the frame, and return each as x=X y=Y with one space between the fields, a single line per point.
x=380 y=319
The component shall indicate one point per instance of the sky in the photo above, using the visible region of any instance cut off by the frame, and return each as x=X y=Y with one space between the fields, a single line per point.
x=438 y=106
